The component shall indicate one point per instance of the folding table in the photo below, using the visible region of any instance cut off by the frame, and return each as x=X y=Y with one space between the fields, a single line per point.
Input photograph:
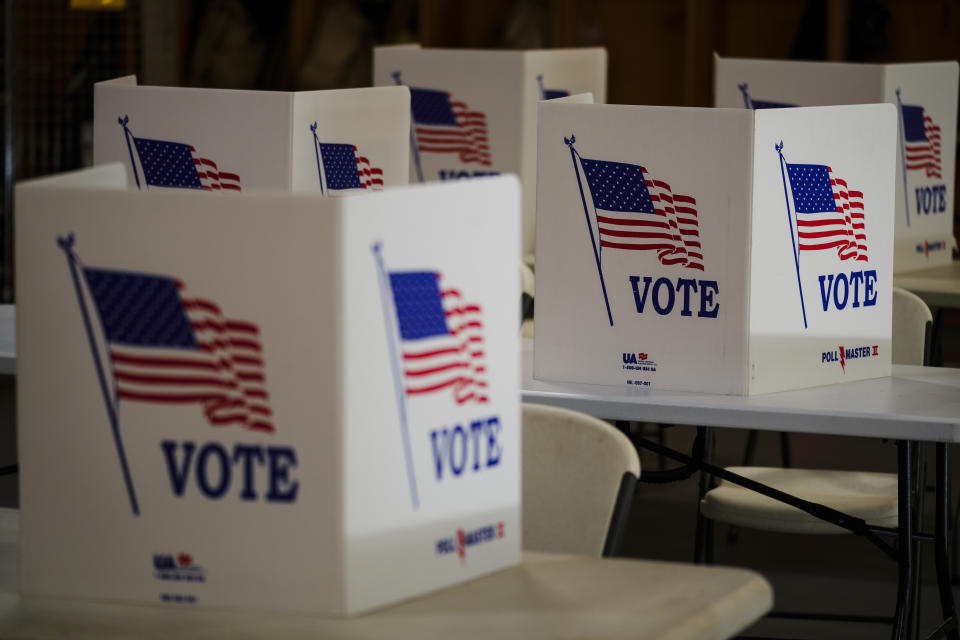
x=547 y=595
x=916 y=404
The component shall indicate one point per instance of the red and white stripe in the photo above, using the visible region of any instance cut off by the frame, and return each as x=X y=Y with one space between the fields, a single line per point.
x=211 y=177
x=925 y=155
x=674 y=232
x=844 y=230
x=371 y=177
x=225 y=375
x=455 y=361
x=469 y=138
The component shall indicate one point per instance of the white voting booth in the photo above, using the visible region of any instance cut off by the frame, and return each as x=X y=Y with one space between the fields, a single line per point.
x=714 y=250
x=274 y=401
x=474 y=113
x=925 y=95
x=334 y=142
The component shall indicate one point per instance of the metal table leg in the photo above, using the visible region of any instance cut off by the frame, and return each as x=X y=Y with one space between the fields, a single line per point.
x=901 y=628
x=940 y=536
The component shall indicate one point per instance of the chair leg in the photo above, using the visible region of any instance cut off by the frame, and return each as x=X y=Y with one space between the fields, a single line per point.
x=785 y=449
x=751 y=448
x=700 y=541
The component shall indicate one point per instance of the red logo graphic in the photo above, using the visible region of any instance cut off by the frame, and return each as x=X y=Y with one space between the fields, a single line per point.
x=184 y=559
x=642 y=356
x=843 y=354
x=461 y=545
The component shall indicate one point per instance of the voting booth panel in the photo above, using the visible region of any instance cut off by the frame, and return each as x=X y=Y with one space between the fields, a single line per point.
x=333 y=142
x=474 y=112
x=330 y=431
x=821 y=298
x=668 y=257
x=593 y=262
x=448 y=508
x=925 y=95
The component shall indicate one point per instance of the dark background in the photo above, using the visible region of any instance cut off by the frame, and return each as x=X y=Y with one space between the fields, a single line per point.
x=660 y=53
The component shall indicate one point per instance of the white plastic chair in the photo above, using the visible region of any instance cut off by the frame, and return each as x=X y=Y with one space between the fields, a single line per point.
x=870 y=496
x=579 y=477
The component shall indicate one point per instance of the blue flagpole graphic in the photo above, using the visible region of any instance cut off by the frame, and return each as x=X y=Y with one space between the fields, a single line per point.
x=796 y=255
x=586 y=212
x=389 y=322
x=413 y=134
x=127 y=135
x=746 y=96
x=67 y=245
x=903 y=158
x=316 y=150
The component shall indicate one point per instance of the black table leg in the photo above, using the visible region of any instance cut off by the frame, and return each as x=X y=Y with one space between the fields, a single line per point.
x=940 y=535
x=901 y=628
x=918 y=488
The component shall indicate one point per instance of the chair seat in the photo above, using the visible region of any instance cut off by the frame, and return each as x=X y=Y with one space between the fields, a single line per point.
x=870 y=496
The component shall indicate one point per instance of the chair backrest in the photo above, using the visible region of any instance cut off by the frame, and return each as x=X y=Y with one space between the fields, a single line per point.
x=579 y=476
x=528 y=283
x=527 y=280
x=910 y=319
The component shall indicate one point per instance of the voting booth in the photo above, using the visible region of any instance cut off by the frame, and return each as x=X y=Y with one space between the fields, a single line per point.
x=715 y=250
x=925 y=95
x=269 y=401
x=474 y=113
x=333 y=142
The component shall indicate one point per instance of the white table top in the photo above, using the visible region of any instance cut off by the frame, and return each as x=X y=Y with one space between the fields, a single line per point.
x=919 y=403
x=8 y=340
x=938 y=286
x=548 y=595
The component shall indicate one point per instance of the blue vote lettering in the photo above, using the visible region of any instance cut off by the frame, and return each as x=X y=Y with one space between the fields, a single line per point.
x=213 y=468
x=663 y=295
x=931 y=199
x=476 y=447
x=856 y=289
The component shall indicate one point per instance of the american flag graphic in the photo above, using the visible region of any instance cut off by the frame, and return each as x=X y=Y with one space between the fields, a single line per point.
x=177 y=165
x=443 y=125
x=441 y=338
x=168 y=348
x=751 y=103
x=921 y=141
x=769 y=104
x=638 y=213
x=344 y=168
x=829 y=214
x=550 y=94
